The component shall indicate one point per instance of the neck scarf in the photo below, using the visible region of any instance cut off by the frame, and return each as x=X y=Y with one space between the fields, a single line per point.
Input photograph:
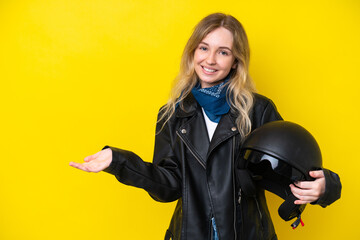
x=212 y=100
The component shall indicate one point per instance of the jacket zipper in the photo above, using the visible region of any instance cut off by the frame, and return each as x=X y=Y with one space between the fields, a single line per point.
x=203 y=165
x=234 y=187
x=239 y=196
x=261 y=218
x=241 y=211
x=211 y=228
x=192 y=152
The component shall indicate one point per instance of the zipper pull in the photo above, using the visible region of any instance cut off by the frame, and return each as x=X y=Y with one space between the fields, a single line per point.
x=239 y=196
x=297 y=222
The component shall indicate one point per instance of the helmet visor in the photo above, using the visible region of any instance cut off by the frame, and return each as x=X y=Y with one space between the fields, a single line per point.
x=264 y=166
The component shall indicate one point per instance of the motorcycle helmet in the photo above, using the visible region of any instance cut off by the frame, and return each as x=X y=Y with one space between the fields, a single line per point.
x=280 y=153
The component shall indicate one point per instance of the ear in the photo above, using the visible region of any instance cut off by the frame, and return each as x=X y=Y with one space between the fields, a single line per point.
x=235 y=64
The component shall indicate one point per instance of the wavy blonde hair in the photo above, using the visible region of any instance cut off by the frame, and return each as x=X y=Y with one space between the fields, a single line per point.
x=240 y=85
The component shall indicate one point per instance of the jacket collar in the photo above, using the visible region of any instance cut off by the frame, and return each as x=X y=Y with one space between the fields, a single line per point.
x=189 y=107
x=225 y=129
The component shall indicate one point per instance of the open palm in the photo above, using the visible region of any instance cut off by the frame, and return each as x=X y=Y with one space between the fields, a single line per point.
x=96 y=162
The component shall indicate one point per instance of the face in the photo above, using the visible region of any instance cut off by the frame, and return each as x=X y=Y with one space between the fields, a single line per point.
x=213 y=58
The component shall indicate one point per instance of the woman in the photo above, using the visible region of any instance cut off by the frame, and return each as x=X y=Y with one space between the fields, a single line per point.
x=199 y=132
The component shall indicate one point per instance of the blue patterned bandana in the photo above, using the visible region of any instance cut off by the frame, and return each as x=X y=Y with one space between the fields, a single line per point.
x=212 y=100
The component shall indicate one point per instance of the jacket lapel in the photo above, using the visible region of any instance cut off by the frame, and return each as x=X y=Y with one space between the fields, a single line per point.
x=195 y=135
x=193 y=131
x=225 y=130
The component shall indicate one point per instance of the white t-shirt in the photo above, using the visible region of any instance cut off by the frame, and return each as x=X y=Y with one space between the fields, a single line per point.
x=210 y=125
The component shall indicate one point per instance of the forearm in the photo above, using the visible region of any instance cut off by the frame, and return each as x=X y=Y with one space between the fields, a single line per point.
x=161 y=182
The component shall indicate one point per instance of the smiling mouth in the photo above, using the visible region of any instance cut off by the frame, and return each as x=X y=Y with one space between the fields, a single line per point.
x=208 y=69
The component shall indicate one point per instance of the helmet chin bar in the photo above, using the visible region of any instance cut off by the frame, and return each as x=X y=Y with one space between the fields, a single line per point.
x=287 y=210
x=275 y=176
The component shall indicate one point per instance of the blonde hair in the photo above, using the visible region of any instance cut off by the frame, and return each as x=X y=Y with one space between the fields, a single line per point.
x=240 y=85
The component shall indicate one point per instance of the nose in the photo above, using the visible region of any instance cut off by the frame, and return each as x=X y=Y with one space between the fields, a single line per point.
x=211 y=59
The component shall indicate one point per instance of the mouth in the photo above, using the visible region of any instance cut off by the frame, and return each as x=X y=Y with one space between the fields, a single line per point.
x=208 y=70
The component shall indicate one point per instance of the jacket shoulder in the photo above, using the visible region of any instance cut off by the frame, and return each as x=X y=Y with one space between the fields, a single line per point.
x=261 y=100
x=263 y=111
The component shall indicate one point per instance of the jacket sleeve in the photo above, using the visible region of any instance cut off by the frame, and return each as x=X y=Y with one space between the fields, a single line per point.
x=332 y=180
x=332 y=189
x=161 y=179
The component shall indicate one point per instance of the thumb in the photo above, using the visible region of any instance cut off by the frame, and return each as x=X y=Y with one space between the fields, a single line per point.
x=317 y=174
x=91 y=157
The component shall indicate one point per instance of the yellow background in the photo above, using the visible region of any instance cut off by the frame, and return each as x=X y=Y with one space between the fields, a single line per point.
x=79 y=74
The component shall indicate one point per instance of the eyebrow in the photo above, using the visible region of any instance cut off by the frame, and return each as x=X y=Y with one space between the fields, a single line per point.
x=219 y=47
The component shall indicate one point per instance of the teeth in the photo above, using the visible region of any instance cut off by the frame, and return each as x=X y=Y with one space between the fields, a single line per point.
x=209 y=70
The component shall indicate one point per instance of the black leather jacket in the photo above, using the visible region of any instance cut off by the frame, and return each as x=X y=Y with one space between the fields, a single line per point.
x=200 y=174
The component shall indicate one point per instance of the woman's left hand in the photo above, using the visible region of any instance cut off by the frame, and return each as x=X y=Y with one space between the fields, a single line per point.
x=309 y=191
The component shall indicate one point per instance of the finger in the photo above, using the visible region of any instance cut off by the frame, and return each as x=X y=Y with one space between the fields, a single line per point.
x=308 y=198
x=305 y=196
x=299 y=202
x=300 y=191
x=305 y=184
x=304 y=199
x=302 y=184
x=317 y=174
x=316 y=188
x=78 y=166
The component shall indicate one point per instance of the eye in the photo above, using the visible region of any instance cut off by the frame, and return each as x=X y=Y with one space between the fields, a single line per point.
x=202 y=48
x=224 y=53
